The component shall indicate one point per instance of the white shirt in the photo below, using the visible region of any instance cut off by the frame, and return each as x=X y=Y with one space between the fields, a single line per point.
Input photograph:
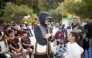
x=73 y=50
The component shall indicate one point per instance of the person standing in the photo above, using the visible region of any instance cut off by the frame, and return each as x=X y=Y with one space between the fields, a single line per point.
x=89 y=33
x=51 y=24
x=63 y=29
x=57 y=25
x=36 y=22
x=73 y=49
x=43 y=37
x=75 y=26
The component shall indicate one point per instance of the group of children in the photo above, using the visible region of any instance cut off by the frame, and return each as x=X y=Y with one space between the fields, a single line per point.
x=16 y=46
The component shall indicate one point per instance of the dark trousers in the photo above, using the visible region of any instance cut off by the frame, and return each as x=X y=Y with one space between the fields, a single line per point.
x=85 y=44
x=3 y=56
x=43 y=56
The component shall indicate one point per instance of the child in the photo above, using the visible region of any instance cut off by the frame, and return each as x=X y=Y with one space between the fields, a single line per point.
x=14 y=45
x=29 y=33
x=1 y=37
x=63 y=29
x=60 y=38
x=73 y=49
x=7 y=28
x=26 y=43
x=2 y=55
x=15 y=30
x=60 y=41
x=20 y=31
x=59 y=35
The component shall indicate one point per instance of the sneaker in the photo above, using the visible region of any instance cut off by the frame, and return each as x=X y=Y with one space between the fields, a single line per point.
x=62 y=50
x=60 y=46
x=61 y=43
x=65 y=48
x=55 y=55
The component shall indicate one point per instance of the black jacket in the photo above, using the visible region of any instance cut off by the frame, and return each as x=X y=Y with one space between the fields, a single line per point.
x=89 y=30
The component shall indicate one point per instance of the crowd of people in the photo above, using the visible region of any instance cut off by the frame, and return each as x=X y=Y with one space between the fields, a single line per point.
x=48 y=43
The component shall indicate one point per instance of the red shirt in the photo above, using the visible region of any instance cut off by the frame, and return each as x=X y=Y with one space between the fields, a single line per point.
x=59 y=35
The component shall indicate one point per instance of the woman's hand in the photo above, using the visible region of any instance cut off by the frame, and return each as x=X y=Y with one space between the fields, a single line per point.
x=47 y=36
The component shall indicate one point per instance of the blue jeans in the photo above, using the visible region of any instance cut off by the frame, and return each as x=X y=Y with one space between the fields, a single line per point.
x=90 y=43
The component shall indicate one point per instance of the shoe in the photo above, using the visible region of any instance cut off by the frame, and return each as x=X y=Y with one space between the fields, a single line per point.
x=60 y=46
x=61 y=43
x=55 y=55
x=65 y=48
x=62 y=50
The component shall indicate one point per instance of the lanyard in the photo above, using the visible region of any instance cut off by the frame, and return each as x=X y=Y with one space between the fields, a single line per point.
x=72 y=28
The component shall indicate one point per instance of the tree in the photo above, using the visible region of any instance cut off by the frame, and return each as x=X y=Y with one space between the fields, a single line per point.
x=51 y=4
x=80 y=8
x=36 y=5
x=56 y=15
x=2 y=4
x=63 y=11
x=16 y=12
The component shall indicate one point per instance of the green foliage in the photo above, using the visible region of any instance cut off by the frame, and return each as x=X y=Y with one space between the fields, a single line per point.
x=3 y=18
x=63 y=11
x=16 y=12
x=59 y=12
x=56 y=15
x=2 y=4
x=29 y=20
x=51 y=4
x=36 y=5
x=80 y=8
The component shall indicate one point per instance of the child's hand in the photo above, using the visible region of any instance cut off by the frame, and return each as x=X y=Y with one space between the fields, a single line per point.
x=63 y=57
x=73 y=57
x=29 y=45
x=61 y=40
x=66 y=44
x=17 y=50
x=55 y=43
x=6 y=52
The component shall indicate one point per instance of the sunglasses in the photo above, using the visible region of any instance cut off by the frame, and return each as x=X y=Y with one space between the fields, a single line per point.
x=47 y=19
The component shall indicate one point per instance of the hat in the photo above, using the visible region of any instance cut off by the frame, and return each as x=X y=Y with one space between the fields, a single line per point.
x=50 y=17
